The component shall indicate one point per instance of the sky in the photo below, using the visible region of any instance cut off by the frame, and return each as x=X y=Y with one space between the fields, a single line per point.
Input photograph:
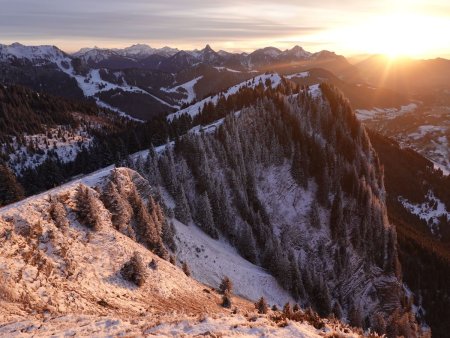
x=416 y=28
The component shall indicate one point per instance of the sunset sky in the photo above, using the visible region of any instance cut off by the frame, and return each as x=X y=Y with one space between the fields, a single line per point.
x=418 y=28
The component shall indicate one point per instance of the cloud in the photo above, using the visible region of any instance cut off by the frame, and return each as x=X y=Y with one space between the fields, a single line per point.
x=230 y=24
x=135 y=20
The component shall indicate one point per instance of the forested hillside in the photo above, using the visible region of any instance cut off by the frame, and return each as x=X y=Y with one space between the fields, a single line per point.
x=425 y=257
x=285 y=174
x=293 y=182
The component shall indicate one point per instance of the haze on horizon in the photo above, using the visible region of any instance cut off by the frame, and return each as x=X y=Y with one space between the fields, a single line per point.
x=416 y=28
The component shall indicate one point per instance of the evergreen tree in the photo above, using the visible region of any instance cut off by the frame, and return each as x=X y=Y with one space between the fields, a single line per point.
x=337 y=310
x=247 y=245
x=287 y=311
x=10 y=189
x=204 y=216
x=322 y=298
x=182 y=211
x=58 y=213
x=134 y=270
x=378 y=323
x=87 y=207
x=336 y=216
x=226 y=285
x=261 y=306
x=120 y=209
x=168 y=235
x=147 y=229
x=226 y=300
x=355 y=316
x=314 y=218
x=186 y=270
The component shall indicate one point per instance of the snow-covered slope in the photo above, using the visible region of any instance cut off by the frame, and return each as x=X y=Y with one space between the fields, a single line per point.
x=185 y=88
x=63 y=142
x=431 y=211
x=193 y=110
x=41 y=54
x=65 y=279
x=73 y=269
x=210 y=260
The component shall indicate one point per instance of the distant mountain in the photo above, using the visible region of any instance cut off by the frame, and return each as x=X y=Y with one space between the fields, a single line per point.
x=173 y=60
x=142 y=82
x=428 y=80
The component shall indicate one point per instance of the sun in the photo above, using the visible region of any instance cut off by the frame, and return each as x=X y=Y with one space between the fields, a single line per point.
x=398 y=35
x=394 y=34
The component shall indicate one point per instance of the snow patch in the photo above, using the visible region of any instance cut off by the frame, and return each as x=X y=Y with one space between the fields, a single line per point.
x=210 y=260
x=384 y=113
x=188 y=87
x=298 y=75
x=275 y=80
x=430 y=210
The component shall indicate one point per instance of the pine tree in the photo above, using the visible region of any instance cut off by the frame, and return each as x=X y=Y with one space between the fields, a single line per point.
x=151 y=167
x=226 y=285
x=10 y=190
x=378 y=323
x=147 y=229
x=168 y=235
x=337 y=310
x=87 y=207
x=226 y=300
x=287 y=311
x=355 y=316
x=58 y=213
x=134 y=270
x=322 y=298
x=182 y=211
x=120 y=209
x=204 y=216
x=186 y=270
x=336 y=216
x=314 y=218
x=261 y=306
x=247 y=245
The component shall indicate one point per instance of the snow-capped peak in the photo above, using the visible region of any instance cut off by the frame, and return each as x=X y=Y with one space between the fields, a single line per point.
x=298 y=52
x=137 y=50
x=31 y=53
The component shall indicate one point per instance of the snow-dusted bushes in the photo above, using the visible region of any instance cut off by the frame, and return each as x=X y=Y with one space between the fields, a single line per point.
x=134 y=270
x=87 y=207
x=261 y=306
x=58 y=213
x=136 y=213
x=226 y=285
x=226 y=300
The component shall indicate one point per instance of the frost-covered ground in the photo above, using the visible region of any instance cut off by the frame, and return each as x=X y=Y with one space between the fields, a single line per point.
x=170 y=325
x=210 y=260
x=66 y=281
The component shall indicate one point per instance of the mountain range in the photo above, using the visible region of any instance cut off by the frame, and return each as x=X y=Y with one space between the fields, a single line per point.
x=290 y=173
